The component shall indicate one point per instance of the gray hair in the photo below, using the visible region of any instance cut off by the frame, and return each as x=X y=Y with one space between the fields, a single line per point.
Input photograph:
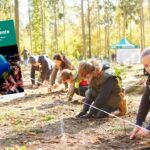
x=145 y=52
x=96 y=63
x=33 y=59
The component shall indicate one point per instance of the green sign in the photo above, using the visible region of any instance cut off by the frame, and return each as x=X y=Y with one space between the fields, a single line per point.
x=7 y=33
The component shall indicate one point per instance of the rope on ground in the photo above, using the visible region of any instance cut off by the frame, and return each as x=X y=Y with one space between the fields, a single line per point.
x=119 y=118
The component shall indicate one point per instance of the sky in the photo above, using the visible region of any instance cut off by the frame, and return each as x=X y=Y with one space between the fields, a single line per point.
x=23 y=10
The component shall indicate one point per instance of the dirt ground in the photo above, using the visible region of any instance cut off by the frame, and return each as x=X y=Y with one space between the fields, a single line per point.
x=46 y=121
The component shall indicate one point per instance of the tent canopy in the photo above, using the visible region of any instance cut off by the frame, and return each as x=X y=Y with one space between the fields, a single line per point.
x=124 y=44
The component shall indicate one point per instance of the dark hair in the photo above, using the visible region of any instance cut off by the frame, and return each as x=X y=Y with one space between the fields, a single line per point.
x=64 y=60
x=58 y=57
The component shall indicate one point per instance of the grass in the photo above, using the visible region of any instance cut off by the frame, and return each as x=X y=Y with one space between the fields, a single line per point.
x=18 y=128
x=12 y=117
x=17 y=121
x=17 y=147
x=8 y=142
x=34 y=110
x=48 y=118
x=36 y=130
x=9 y=115
x=1 y=118
x=127 y=129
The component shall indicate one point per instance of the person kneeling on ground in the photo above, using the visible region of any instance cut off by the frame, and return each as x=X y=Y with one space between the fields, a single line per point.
x=75 y=84
x=145 y=101
x=61 y=62
x=43 y=65
x=104 y=91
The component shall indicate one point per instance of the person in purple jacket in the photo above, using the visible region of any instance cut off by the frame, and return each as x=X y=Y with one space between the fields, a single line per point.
x=145 y=101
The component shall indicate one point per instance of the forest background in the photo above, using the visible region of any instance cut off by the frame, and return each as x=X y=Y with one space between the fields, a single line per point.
x=77 y=28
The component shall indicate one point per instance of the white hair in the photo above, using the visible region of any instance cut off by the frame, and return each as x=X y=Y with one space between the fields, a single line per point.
x=145 y=52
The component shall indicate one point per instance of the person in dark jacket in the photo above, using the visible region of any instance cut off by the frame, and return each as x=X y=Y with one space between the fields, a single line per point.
x=42 y=64
x=103 y=93
x=145 y=101
x=61 y=62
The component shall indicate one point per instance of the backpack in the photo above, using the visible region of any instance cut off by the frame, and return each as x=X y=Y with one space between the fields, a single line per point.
x=123 y=106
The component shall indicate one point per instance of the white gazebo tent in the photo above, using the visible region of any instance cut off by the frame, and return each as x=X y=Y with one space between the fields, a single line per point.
x=127 y=52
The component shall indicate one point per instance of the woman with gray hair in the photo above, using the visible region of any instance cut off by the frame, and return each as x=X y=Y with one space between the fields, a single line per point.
x=145 y=101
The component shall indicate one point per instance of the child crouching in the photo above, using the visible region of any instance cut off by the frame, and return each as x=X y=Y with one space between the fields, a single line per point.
x=75 y=84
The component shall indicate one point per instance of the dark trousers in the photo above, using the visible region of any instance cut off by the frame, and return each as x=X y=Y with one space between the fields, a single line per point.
x=87 y=103
x=100 y=114
x=81 y=90
x=106 y=108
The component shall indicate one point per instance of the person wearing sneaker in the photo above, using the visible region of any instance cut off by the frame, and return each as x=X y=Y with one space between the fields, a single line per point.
x=104 y=91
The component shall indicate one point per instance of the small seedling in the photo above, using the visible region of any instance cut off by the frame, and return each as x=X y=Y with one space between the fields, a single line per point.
x=36 y=130
x=34 y=110
x=48 y=117
x=1 y=118
x=8 y=142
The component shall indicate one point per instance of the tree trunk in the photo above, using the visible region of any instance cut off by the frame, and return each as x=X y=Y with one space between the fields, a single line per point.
x=55 y=25
x=124 y=25
x=141 y=34
x=119 y=28
x=42 y=26
x=30 y=26
x=64 y=25
x=149 y=10
x=142 y=26
x=99 y=29
x=10 y=9
x=105 y=27
x=130 y=30
x=108 y=41
x=149 y=13
x=83 y=29
x=17 y=22
x=89 y=28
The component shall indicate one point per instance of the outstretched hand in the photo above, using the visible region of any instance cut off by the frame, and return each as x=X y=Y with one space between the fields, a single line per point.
x=143 y=133
x=139 y=131
x=134 y=132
